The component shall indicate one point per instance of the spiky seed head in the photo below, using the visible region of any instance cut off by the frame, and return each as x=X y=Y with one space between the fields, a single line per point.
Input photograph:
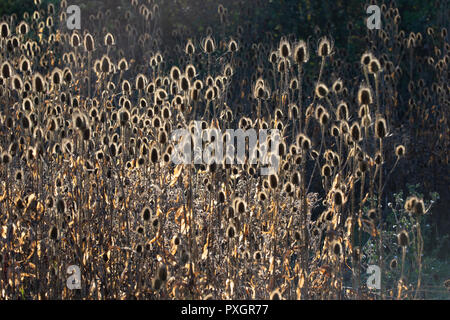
x=338 y=197
x=403 y=239
x=337 y=248
x=284 y=49
x=366 y=58
x=337 y=86
x=189 y=49
x=146 y=214
x=53 y=233
x=301 y=54
x=89 y=44
x=393 y=264
x=321 y=90
x=364 y=96
x=273 y=181
x=208 y=45
x=400 y=151
x=374 y=66
x=380 y=128
x=372 y=214
x=326 y=170
x=325 y=47
x=275 y=295
x=231 y=231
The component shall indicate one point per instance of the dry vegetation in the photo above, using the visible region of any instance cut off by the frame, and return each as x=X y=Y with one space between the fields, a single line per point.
x=86 y=176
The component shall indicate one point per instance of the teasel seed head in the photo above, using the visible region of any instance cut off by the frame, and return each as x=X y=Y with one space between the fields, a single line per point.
x=189 y=49
x=89 y=44
x=276 y=295
x=301 y=53
x=4 y=30
x=338 y=197
x=372 y=214
x=337 y=248
x=403 y=239
x=374 y=66
x=284 y=49
x=337 y=86
x=6 y=70
x=231 y=231
x=109 y=40
x=233 y=46
x=364 y=96
x=146 y=214
x=355 y=131
x=366 y=58
x=400 y=151
x=380 y=128
x=208 y=45
x=53 y=233
x=393 y=264
x=262 y=196
x=154 y=155
x=326 y=170
x=325 y=47
x=273 y=181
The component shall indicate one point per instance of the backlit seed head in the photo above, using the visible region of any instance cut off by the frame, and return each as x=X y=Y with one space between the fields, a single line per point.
x=326 y=170
x=109 y=40
x=364 y=96
x=189 y=49
x=337 y=86
x=262 y=196
x=89 y=44
x=53 y=233
x=338 y=197
x=273 y=181
x=403 y=239
x=208 y=45
x=400 y=151
x=275 y=295
x=4 y=30
x=342 y=111
x=393 y=264
x=378 y=158
x=146 y=214
x=374 y=66
x=6 y=70
x=39 y=84
x=372 y=214
x=231 y=231
x=380 y=128
x=325 y=47
x=337 y=248
x=240 y=206
x=355 y=131
x=295 y=178
x=301 y=53
x=233 y=46
x=284 y=50
x=366 y=58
